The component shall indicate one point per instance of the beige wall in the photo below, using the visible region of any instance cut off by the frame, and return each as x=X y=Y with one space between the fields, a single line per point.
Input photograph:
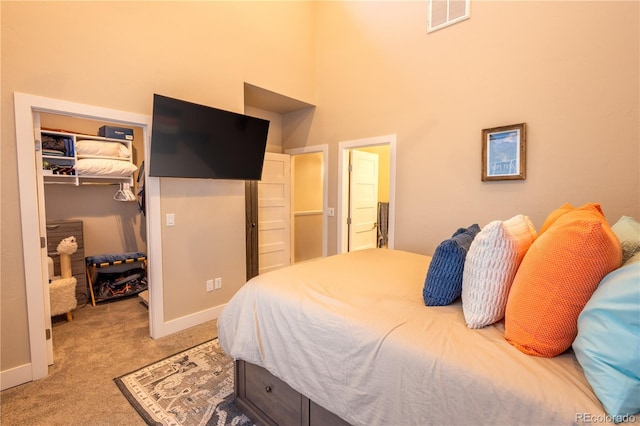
x=308 y=237
x=307 y=182
x=116 y=55
x=567 y=69
x=274 y=137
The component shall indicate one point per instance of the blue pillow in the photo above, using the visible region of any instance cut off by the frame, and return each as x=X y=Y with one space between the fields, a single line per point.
x=607 y=345
x=443 y=283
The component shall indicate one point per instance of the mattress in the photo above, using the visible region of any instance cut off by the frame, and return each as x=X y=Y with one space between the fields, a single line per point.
x=352 y=333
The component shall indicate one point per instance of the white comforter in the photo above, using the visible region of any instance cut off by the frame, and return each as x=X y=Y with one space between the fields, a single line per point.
x=352 y=333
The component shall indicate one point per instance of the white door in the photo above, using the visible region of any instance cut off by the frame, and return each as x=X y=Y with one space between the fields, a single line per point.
x=363 y=200
x=43 y=238
x=274 y=213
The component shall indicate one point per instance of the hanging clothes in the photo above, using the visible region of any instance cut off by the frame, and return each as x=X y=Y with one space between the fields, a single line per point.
x=140 y=194
x=383 y=224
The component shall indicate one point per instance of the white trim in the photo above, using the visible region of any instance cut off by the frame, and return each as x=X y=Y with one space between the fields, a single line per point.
x=25 y=107
x=27 y=186
x=15 y=376
x=307 y=213
x=343 y=200
x=154 y=246
x=343 y=185
x=324 y=149
x=44 y=280
x=192 y=320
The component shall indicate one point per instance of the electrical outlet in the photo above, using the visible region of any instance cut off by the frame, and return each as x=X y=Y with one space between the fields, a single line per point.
x=218 y=284
x=209 y=285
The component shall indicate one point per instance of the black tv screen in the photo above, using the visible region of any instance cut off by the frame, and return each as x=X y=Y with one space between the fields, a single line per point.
x=189 y=140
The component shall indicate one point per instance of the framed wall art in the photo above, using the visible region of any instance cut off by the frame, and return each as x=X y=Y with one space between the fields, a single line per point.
x=504 y=153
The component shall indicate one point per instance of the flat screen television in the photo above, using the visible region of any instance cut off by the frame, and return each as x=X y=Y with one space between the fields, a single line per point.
x=189 y=140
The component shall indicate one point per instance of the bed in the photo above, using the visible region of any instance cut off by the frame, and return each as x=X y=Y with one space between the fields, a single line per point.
x=352 y=335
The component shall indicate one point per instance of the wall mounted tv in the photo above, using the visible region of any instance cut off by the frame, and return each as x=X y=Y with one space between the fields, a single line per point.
x=189 y=140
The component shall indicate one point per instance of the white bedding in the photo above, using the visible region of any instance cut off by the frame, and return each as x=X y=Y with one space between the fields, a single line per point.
x=352 y=333
x=104 y=167
x=101 y=149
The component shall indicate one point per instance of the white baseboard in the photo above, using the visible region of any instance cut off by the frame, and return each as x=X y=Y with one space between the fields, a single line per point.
x=188 y=321
x=15 y=376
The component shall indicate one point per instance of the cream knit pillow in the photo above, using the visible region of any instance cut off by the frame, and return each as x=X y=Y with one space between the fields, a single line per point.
x=490 y=267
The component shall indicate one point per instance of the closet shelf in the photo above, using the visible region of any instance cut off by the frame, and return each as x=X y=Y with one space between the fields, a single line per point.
x=77 y=159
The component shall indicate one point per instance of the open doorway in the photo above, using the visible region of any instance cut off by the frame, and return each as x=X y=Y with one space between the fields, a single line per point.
x=309 y=177
x=257 y=221
x=33 y=218
x=87 y=209
x=309 y=202
x=366 y=220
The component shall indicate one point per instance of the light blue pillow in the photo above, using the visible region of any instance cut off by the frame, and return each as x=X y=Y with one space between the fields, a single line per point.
x=443 y=283
x=608 y=342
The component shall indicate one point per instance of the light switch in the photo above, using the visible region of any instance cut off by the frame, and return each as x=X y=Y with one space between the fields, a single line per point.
x=171 y=219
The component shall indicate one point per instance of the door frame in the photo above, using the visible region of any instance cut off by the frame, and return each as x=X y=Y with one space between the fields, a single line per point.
x=343 y=186
x=25 y=106
x=324 y=149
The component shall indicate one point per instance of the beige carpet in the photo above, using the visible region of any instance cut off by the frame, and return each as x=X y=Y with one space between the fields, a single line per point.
x=101 y=343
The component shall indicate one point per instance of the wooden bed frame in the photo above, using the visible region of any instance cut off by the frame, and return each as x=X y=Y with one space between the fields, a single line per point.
x=267 y=400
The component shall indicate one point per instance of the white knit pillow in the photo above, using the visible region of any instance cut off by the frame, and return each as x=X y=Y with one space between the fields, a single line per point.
x=491 y=265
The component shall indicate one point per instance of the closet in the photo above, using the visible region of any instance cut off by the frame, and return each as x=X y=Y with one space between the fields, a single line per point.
x=106 y=222
x=90 y=184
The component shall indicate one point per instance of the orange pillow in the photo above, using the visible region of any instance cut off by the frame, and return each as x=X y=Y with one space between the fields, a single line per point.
x=554 y=215
x=557 y=277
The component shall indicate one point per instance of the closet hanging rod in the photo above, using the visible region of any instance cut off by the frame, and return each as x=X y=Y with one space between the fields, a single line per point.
x=83 y=183
x=99 y=183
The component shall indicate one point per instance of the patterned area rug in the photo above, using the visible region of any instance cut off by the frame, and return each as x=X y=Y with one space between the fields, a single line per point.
x=193 y=387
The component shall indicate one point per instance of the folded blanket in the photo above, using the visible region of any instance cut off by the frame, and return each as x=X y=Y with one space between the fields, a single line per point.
x=111 y=259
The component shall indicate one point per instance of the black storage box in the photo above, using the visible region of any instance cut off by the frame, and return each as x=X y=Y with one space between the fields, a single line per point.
x=116 y=132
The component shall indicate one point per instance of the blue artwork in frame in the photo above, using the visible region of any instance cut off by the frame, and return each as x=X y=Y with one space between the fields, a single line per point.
x=504 y=153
